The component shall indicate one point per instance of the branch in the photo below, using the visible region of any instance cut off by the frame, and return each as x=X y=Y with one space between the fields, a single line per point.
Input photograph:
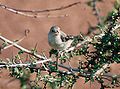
x=6 y=47
x=17 y=41
x=87 y=39
x=40 y=11
x=24 y=64
x=101 y=70
x=35 y=12
x=23 y=49
x=96 y=12
x=117 y=26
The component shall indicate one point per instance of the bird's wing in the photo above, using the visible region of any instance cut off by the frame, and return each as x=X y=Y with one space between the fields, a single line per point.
x=65 y=37
x=62 y=33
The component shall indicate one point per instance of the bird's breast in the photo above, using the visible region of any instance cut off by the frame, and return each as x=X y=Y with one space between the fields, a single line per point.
x=55 y=42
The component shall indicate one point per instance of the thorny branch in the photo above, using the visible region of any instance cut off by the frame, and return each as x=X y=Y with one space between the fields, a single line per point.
x=16 y=41
x=88 y=39
x=70 y=70
x=96 y=12
x=100 y=71
x=44 y=59
x=34 y=13
x=22 y=48
x=24 y=64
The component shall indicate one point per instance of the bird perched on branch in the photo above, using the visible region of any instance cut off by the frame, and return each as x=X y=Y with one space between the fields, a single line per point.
x=57 y=39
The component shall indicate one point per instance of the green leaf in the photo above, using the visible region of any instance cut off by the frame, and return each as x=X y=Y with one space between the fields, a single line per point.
x=20 y=52
x=4 y=44
x=87 y=79
x=92 y=79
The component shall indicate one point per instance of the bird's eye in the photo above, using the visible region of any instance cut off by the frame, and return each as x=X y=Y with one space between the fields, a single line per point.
x=53 y=30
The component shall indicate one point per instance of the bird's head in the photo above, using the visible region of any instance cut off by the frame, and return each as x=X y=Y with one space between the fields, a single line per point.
x=55 y=30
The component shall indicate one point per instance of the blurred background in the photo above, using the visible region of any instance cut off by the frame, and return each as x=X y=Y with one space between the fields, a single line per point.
x=13 y=26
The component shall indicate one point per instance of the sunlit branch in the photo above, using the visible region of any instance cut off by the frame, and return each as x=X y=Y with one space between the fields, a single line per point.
x=34 y=13
x=22 y=48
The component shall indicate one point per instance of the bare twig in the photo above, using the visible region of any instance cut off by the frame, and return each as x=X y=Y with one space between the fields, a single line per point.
x=21 y=48
x=40 y=11
x=87 y=39
x=101 y=70
x=34 y=13
x=18 y=41
x=96 y=12
x=24 y=64
x=116 y=27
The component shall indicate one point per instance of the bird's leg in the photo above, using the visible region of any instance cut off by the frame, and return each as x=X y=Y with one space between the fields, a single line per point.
x=57 y=58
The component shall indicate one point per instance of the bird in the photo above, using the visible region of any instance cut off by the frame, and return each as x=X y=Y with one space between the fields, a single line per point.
x=58 y=40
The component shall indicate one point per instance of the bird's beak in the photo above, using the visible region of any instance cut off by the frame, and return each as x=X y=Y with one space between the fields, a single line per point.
x=56 y=33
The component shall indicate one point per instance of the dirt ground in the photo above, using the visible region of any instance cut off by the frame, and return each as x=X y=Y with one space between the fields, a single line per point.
x=12 y=26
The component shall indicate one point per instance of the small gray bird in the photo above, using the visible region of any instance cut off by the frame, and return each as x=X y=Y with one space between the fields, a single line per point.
x=58 y=39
